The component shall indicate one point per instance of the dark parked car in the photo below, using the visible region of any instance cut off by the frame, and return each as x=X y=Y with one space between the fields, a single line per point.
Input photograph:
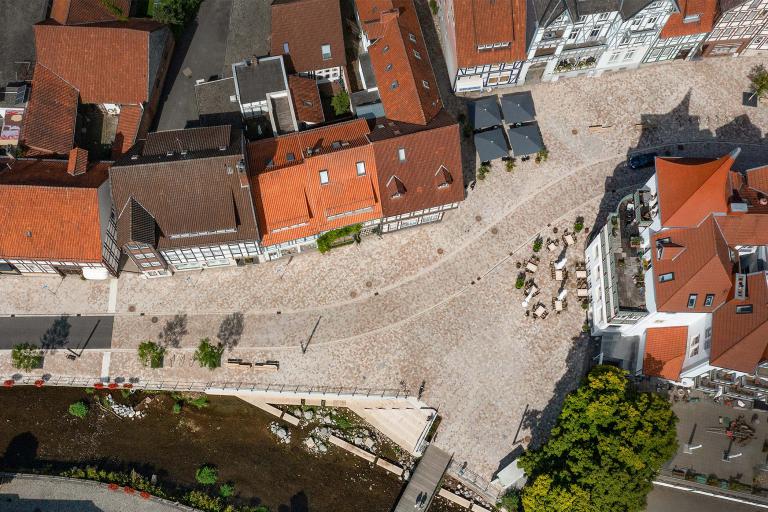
x=641 y=160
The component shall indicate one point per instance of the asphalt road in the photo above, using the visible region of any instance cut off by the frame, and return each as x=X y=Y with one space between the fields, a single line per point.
x=666 y=499
x=201 y=50
x=73 y=332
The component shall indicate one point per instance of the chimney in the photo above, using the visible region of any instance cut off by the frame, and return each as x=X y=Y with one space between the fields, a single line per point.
x=78 y=161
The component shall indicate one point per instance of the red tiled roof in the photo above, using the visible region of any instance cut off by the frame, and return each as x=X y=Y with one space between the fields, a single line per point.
x=127 y=129
x=50 y=172
x=74 y=12
x=432 y=172
x=485 y=22
x=50 y=223
x=306 y=25
x=676 y=25
x=77 y=163
x=665 y=351
x=751 y=229
x=51 y=115
x=689 y=190
x=740 y=340
x=107 y=62
x=704 y=267
x=306 y=99
x=290 y=201
x=400 y=60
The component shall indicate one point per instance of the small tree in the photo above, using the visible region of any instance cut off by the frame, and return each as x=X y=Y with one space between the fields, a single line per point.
x=579 y=224
x=209 y=356
x=207 y=474
x=340 y=102
x=226 y=490
x=510 y=164
x=79 y=409
x=435 y=8
x=151 y=354
x=27 y=357
x=483 y=171
x=758 y=78
x=176 y=13
x=538 y=244
x=542 y=155
x=520 y=281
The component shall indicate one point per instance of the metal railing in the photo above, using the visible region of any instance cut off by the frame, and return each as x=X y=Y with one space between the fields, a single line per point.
x=211 y=386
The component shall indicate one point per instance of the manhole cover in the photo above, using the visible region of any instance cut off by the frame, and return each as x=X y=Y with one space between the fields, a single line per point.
x=440 y=251
x=132 y=308
x=368 y=284
x=495 y=231
x=154 y=319
x=478 y=218
x=575 y=131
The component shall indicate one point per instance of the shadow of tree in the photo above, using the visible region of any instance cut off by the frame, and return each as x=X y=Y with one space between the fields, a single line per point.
x=21 y=452
x=174 y=330
x=231 y=330
x=299 y=503
x=57 y=335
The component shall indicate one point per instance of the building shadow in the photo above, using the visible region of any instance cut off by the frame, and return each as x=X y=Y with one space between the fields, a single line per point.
x=231 y=330
x=174 y=331
x=57 y=335
x=15 y=502
x=299 y=503
x=21 y=452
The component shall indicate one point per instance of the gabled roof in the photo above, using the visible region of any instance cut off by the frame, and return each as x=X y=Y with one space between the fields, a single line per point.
x=665 y=352
x=128 y=123
x=677 y=26
x=76 y=12
x=704 y=267
x=432 y=172
x=51 y=114
x=291 y=202
x=406 y=81
x=305 y=26
x=106 y=62
x=50 y=172
x=689 y=189
x=489 y=22
x=306 y=99
x=740 y=340
x=749 y=229
x=199 y=197
x=50 y=223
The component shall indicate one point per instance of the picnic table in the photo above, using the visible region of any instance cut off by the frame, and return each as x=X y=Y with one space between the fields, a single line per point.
x=551 y=246
x=581 y=274
x=559 y=275
x=558 y=305
x=569 y=239
x=531 y=267
x=582 y=292
x=539 y=310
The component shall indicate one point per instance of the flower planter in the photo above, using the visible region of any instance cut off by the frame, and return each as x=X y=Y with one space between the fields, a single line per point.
x=39 y=383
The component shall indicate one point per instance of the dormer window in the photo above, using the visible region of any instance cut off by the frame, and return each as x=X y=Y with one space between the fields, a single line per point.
x=290 y=157
x=324 y=177
x=401 y=155
x=669 y=276
x=692 y=300
x=395 y=187
x=416 y=54
x=444 y=178
x=360 y=168
x=395 y=84
x=425 y=84
x=744 y=310
x=286 y=48
x=389 y=67
x=692 y=18
x=412 y=38
x=385 y=49
x=326 y=51
x=709 y=299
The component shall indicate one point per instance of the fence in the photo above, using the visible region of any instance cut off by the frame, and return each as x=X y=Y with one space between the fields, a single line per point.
x=212 y=386
x=488 y=490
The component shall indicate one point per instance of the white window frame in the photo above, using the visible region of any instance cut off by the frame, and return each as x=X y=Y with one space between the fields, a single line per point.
x=324 y=178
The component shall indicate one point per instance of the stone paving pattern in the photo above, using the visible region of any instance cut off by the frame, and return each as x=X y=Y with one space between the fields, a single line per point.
x=402 y=309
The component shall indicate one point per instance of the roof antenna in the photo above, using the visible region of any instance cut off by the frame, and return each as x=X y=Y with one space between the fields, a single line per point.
x=182 y=151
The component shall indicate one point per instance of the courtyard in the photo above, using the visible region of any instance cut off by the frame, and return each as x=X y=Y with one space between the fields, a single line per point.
x=435 y=305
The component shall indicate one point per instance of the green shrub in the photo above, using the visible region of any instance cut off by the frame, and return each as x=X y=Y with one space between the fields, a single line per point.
x=151 y=354
x=27 y=357
x=207 y=474
x=482 y=171
x=542 y=155
x=511 y=501
x=209 y=356
x=199 y=402
x=342 y=422
x=176 y=13
x=125 y=393
x=90 y=391
x=176 y=408
x=326 y=240
x=226 y=490
x=78 y=409
x=435 y=8
x=520 y=282
x=579 y=224
x=537 y=244
x=340 y=102
x=510 y=164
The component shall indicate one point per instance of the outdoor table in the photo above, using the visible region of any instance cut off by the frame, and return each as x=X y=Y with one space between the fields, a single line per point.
x=581 y=274
x=558 y=275
x=582 y=292
x=558 y=305
x=539 y=311
x=532 y=267
x=569 y=240
x=552 y=246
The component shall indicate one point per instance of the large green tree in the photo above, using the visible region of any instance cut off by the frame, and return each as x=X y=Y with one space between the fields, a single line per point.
x=608 y=444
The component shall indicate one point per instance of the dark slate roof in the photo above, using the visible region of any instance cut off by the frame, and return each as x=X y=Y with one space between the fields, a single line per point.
x=518 y=107
x=485 y=113
x=215 y=105
x=525 y=139
x=191 y=140
x=143 y=227
x=260 y=77
x=547 y=11
x=491 y=145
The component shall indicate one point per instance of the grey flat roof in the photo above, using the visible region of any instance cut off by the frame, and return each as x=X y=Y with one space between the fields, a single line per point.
x=525 y=139
x=518 y=107
x=485 y=113
x=259 y=78
x=491 y=145
x=367 y=68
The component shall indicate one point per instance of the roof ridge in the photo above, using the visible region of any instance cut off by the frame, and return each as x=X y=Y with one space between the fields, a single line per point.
x=57 y=76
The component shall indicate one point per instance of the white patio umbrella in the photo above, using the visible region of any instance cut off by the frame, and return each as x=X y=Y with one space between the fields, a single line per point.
x=560 y=265
x=562 y=294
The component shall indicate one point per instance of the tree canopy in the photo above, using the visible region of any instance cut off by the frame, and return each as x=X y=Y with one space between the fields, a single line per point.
x=608 y=444
x=27 y=357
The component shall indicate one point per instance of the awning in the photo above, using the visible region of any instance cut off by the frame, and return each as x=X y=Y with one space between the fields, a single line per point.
x=469 y=83
x=96 y=274
x=518 y=108
x=525 y=139
x=491 y=145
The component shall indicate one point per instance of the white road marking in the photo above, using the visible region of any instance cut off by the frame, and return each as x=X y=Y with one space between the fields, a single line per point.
x=112 y=306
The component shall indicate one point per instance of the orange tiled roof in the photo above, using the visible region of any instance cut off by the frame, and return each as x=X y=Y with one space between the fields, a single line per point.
x=291 y=202
x=751 y=229
x=689 y=190
x=485 y=22
x=665 y=351
x=50 y=223
x=73 y=12
x=740 y=340
x=400 y=60
x=676 y=25
x=127 y=129
x=306 y=25
x=49 y=121
x=306 y=99
x=702 y=268
x=107 y=62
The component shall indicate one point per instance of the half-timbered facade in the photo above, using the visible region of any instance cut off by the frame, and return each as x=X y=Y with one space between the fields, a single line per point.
x=739 y=30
